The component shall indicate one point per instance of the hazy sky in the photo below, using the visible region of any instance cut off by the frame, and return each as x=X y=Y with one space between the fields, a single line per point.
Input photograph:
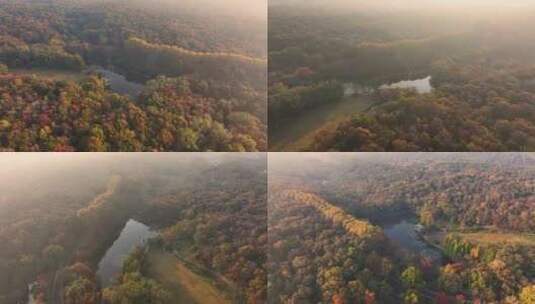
x=408 y=4
x=254 y=8
x=24 y=173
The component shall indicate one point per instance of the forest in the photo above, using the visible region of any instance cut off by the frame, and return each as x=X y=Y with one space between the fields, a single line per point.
x=202 y=73
x=401 y=228
x=476 y=61
x=76 y=237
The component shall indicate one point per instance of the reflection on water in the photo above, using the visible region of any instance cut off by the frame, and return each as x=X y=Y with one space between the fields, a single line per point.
x=406 y=235
x=351 y=89
x=118 y=83
x=31 y=298
x=134 y=234
x=421 y=85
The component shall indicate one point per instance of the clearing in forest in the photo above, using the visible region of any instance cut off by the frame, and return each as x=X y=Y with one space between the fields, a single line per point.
x=184 y=285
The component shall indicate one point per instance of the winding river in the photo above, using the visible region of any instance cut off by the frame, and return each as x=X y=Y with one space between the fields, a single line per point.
x=133 y=234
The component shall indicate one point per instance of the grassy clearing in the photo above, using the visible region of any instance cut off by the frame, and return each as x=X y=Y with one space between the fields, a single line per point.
x=489 y=238
x=484 y=237
x=185 y=285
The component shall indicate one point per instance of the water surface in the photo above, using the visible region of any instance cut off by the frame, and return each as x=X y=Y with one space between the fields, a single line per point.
x=406 y=235
x=351 y=89
x=118 y=82
x=421 y=85
x=31 y=299
x=133 y=234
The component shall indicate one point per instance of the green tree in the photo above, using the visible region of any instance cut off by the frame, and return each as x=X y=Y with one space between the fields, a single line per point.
x=412 y=277
x=411 y=297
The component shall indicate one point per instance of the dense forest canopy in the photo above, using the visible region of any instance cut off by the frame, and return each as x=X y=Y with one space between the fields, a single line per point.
x=478 y=56
x=329 y=216
x=208 y=211
x=49 y=51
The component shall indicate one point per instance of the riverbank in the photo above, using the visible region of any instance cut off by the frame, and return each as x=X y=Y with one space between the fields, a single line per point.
x=296 y=134
x=134 y=234
x=117 y=82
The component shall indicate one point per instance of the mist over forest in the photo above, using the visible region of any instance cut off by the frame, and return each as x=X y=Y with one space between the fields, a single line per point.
x=127 y=227
x=401 y=76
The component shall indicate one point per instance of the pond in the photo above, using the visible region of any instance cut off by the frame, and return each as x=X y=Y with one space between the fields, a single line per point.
x=422 y=85
x=407 y=236
x=133 y=234
x=117 y=82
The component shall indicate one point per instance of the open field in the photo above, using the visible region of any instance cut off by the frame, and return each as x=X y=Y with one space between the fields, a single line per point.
x=489 y=238
x=185 y=285
x=484 y=237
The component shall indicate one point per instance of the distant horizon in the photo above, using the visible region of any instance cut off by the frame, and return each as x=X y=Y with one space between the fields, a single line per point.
x=407 y=4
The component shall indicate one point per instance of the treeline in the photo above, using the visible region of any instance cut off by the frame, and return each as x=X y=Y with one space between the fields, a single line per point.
x=360 y=228
x=146 y=61
x=173 y=114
